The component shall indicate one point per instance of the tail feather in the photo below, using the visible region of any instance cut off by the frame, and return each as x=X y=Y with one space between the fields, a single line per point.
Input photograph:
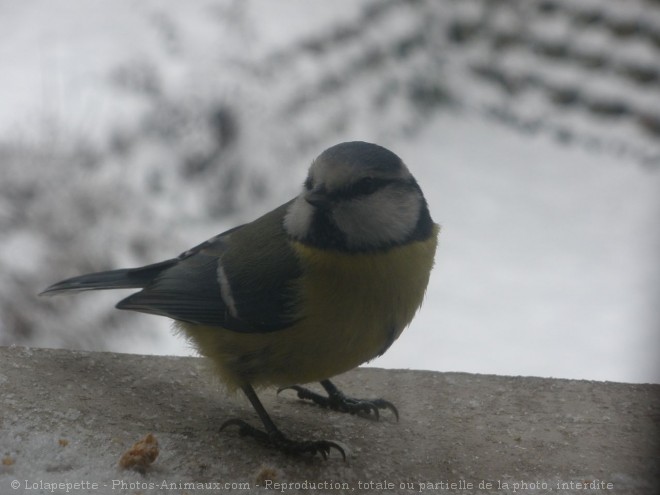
x=126 y=278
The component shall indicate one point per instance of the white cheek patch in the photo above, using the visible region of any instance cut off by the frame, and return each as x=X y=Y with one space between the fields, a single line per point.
x=298 y=218
x=387 y=216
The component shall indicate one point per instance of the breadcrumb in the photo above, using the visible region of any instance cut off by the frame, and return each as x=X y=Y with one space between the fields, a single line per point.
x=266 y=473
x=141 y=455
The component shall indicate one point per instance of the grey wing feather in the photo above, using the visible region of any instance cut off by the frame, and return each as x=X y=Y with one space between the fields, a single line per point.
x=187 y=291
x=261 y=281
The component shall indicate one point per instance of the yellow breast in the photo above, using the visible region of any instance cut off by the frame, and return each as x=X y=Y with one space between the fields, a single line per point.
x=355 y=306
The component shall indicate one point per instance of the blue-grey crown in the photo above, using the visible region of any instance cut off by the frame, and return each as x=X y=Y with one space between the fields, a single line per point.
x=362 y=155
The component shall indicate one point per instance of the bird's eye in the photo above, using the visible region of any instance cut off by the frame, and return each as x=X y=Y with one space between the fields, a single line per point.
x=309 y=183
x=367 y=185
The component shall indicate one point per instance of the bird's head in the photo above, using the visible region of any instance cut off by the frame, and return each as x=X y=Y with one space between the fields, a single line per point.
x=358 y=197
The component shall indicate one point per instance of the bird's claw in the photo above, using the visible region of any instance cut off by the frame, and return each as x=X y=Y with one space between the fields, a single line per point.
x=277 y=440
x=339 y=402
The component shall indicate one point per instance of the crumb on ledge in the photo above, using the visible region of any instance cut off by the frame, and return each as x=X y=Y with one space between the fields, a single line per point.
x=141 y=455
x=266 y=473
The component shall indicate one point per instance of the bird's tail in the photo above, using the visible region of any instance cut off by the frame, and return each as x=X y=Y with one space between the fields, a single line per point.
x=126 y=278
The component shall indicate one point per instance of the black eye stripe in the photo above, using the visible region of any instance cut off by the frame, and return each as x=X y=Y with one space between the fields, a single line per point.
x=363 y=187
x=368 y=185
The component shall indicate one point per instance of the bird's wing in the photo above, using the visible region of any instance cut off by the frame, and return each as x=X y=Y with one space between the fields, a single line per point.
x=242 y=280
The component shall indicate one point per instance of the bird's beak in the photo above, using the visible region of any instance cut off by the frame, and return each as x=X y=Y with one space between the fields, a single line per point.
x=318 y=198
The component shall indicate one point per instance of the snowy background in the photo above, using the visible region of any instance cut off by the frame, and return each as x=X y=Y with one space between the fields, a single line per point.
x=130 y=131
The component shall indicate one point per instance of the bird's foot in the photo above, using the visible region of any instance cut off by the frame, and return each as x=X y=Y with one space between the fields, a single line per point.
x=277 y=440
x=337 y=401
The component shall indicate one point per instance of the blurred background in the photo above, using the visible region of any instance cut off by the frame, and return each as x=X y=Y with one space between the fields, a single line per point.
x=130 y=131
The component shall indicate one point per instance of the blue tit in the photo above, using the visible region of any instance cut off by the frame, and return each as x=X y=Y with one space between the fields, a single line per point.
x=314 y=288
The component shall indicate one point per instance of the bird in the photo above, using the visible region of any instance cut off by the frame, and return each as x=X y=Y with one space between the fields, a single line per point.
x=314 y=288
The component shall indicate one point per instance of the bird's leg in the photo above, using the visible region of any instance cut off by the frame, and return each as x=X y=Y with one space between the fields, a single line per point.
x=274 y=437
x=337 y=401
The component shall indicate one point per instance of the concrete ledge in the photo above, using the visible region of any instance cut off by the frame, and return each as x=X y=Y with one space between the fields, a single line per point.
x=67 y=417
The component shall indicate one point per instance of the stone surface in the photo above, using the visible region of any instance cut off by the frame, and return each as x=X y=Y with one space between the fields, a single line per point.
x=67 y=417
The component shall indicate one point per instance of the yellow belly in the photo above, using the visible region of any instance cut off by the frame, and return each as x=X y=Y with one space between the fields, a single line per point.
x=356 y=305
